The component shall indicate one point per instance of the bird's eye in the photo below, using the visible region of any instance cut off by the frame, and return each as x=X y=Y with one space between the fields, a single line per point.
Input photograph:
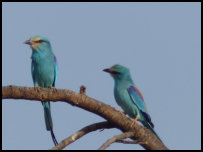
x=115 y=72
x=39 y=41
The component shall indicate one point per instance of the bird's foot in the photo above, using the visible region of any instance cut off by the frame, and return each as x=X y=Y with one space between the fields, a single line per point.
x=134 y=121
x=37 y=88
x=53 y=88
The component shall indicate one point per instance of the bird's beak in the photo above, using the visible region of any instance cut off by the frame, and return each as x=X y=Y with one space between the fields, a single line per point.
x=107 y=70
x=27 y=42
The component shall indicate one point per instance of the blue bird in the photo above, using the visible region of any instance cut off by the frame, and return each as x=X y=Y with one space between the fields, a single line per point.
x=44 y=73
x=128 y=97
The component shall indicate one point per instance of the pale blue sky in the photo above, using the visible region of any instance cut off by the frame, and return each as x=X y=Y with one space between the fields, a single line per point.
x=158 y=42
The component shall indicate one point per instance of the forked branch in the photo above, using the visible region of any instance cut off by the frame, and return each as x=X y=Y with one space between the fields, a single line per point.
x=82 y=132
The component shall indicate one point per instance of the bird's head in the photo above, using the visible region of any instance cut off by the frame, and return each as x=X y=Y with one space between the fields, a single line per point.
x=38 y=42
x=119 y=72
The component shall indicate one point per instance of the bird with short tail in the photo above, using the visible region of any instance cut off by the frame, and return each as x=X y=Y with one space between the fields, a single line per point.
x=128 y=97
x=44 y=73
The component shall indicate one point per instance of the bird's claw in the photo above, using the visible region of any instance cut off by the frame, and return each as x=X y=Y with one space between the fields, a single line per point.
x=134 y=121
x=37 y=88
x=53 y=88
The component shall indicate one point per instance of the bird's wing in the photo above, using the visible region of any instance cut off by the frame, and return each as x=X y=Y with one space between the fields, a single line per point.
x=32 y=72
x=55 y=71
x=138 y=100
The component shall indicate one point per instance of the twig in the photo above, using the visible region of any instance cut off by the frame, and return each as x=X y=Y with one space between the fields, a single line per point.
x=82 y=89
x=116 y=138
x=82 y=132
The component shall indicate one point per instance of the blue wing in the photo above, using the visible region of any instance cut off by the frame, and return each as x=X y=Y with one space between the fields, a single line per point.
x=138 y=100
x=55 y=71
x=32 y=72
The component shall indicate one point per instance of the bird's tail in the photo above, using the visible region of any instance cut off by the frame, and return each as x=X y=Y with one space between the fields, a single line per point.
x=48 y=120
x=151 y=128
x=53 y=137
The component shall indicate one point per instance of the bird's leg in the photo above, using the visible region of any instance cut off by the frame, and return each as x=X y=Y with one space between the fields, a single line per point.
x=37 y=88
x=53 y=88
x=134 y=121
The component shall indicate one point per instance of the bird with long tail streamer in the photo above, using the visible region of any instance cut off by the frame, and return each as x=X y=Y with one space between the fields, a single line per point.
x=44 y=73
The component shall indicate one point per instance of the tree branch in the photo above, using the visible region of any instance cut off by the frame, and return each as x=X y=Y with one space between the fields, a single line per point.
x=128 y=141
x=109 y=113
x=116 y=138
x=82 y=132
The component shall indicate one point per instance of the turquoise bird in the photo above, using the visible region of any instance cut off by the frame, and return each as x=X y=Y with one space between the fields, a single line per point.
x=128 y=97
x=44 y=73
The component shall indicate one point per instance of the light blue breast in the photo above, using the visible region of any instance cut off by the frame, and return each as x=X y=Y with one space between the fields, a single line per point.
x=43 y=71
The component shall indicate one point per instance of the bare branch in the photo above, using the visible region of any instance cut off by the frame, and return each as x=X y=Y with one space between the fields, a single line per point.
x=82 y=132
x=128 y=141
x=109 y=113
x=116 y=138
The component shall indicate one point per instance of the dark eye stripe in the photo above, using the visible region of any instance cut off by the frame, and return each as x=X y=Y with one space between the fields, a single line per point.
x=39 y=41
x=115 y=72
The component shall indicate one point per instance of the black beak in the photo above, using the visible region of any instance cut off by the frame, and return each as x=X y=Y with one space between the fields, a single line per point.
x=107 y=70
x=27 y=42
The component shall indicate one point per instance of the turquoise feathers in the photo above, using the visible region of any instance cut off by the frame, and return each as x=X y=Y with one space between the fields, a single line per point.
x=128 y=97
x=44 y=73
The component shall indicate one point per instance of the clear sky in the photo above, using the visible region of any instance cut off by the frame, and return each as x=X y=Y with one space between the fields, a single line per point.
x=159 y=42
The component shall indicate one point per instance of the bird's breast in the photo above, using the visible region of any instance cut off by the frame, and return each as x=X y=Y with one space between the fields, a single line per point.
x=44 y=72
